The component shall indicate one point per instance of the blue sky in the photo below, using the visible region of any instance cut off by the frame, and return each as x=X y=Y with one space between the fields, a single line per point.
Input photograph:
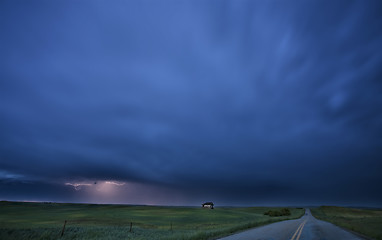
x=180 y=102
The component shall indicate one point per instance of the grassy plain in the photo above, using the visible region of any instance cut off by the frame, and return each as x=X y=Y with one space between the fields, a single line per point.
x=365 y=221
x=19 y=220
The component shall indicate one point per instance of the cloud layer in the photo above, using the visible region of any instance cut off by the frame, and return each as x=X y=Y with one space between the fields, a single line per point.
x=246 y=102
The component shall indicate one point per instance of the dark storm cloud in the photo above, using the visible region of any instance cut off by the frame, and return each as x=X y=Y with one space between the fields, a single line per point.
x=246 y=102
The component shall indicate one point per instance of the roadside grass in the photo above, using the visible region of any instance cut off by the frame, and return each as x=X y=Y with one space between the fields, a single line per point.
x=365 y=221
x=20 y=220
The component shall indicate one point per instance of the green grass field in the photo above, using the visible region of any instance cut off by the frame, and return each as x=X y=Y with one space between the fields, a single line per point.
x=19 y=220
x=364 y=221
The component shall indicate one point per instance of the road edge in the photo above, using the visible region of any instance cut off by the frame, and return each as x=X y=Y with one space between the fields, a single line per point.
x=346 y=229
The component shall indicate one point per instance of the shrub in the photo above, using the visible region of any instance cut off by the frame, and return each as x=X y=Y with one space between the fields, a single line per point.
x=282 y=212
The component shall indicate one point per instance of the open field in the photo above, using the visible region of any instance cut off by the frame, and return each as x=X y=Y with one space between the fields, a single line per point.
x=19 y=220
x=364 y=221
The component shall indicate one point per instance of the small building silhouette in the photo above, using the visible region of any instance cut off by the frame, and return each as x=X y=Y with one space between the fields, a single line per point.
x=209 y=205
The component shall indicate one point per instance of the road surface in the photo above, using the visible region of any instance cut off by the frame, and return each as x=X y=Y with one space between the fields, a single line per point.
x=305 y=228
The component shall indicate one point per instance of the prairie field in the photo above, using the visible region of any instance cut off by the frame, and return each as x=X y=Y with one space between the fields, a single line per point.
x=367 y=222
x=22 y=220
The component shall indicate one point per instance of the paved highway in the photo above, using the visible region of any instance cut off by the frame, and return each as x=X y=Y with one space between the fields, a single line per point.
x=305 y=228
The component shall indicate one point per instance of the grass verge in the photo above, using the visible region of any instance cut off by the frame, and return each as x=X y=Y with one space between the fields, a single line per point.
x=19 y=220
x=367 y=222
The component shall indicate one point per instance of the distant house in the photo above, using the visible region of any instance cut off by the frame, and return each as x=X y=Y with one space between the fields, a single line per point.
x=209 y=205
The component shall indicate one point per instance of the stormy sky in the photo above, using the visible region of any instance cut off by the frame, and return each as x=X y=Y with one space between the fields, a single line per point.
x=180 y=102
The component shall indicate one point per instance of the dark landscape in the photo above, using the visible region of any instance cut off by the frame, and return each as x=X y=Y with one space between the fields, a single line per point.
x=26 y=220
x=191 y=119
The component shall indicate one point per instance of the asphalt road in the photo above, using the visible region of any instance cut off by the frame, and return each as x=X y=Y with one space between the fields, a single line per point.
x=305 y=228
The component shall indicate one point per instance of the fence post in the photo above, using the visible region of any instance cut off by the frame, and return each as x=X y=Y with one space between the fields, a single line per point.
x=131 y=226
x=63 y=229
